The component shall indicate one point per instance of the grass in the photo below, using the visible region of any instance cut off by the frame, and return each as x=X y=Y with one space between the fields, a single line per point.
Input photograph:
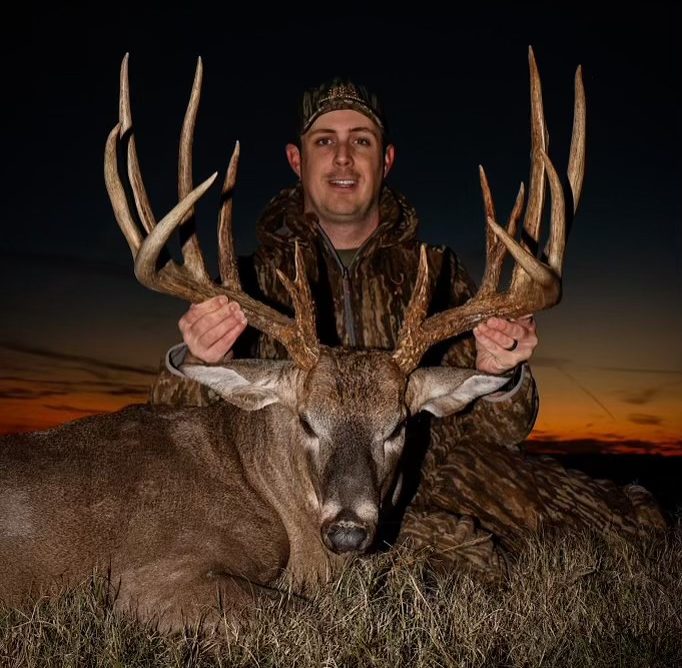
x=572 y=600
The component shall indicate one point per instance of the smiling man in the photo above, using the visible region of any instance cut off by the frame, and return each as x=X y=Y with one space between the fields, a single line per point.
x=342 y=162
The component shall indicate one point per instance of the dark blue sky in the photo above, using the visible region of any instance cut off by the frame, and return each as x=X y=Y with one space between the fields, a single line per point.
x=455 y=89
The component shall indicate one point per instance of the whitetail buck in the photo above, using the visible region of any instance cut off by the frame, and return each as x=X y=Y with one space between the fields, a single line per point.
x=188 y=506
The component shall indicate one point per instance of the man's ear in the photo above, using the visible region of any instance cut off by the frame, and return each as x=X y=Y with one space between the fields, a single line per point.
x=249 y=384
x=389 y=157
x=294 y=158
x=445 y=390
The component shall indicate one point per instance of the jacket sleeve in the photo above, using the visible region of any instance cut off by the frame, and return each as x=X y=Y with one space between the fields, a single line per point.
x=172 y=389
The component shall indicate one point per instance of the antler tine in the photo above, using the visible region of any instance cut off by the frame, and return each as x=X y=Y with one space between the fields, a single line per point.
x=557 y=225
x=534 y=285
x=226 y=257
x=190 y=282
x=576 y=160
x=410 y=346
x=117 y=195
x=539 y=141
x=144 y=208
x=493 y=264
x=191 y=252
x=306 y=345
x=495 y=249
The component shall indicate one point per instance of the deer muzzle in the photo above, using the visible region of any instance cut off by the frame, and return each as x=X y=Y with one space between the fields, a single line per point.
x=347 y=533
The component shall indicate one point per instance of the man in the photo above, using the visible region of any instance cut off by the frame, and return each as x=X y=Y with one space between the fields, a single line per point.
x=360 y=248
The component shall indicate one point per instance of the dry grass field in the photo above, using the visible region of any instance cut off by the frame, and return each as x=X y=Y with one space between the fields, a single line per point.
x=574 y=600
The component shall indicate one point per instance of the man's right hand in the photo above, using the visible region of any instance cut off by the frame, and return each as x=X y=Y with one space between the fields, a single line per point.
x=209 y=329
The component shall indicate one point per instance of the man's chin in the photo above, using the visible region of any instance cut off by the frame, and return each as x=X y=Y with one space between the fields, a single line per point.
x=343 y=218
x=343 y=214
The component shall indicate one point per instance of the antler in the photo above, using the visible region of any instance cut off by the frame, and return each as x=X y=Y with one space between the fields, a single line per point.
x=535 y=285
x=190 y=280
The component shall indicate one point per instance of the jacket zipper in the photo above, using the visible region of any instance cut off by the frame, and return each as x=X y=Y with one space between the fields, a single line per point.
x=345 y=276
x=347 y=310
x=345 y=282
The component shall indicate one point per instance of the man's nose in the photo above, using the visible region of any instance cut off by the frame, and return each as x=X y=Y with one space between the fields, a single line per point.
x=343 y=154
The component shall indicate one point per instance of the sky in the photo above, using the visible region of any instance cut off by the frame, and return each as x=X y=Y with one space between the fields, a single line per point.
x=80 y=336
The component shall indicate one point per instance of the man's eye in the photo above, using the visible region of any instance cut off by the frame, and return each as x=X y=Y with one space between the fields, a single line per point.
x=364 y=141
x=323 y=141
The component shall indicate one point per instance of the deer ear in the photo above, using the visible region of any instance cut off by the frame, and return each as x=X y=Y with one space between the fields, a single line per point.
x=248 y=384
x=445 y=390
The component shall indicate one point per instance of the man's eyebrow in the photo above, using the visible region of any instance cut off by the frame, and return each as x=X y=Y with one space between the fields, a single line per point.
x=365 y=128
x=360 y=128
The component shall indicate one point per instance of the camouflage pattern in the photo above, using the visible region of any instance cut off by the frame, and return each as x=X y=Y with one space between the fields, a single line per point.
x=339 y=94
x=458 y=468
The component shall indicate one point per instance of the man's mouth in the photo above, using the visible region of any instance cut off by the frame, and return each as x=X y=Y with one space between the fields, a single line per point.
x=343 y=183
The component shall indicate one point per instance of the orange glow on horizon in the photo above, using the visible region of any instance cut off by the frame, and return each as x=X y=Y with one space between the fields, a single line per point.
x=612 y=411
x=602 y=412
x=550 y=435
x=22 y=415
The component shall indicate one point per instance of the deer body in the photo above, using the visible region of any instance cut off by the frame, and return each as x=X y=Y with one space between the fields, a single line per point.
x=181 y=505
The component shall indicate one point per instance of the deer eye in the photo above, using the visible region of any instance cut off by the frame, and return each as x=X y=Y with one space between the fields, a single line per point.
x=309 y=431
x=397 y=431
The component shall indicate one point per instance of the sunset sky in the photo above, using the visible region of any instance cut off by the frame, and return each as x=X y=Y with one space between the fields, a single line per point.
x=80 y=336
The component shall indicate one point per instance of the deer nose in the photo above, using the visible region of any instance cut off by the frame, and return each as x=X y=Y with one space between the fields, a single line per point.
x=345 y=536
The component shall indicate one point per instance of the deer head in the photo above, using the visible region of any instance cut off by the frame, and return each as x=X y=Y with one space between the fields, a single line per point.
x=346 y=410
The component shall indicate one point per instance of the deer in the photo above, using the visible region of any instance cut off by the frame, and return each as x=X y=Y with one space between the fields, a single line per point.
x=192 y=512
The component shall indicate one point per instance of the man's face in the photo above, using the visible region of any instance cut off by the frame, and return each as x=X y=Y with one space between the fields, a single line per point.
x=341 y=166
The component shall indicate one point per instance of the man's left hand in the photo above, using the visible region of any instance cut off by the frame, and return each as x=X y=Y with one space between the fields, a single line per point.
x=503 y=344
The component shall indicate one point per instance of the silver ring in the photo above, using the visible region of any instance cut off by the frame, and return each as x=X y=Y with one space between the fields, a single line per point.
x=513 y=346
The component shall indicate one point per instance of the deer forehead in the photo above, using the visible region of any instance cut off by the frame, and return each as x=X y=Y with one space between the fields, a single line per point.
x=355 y=383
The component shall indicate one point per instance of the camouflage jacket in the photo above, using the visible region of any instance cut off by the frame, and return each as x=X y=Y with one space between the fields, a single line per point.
x=362 y=305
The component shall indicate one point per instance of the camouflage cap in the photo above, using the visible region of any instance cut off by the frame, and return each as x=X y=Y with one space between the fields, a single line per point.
x=339 y=94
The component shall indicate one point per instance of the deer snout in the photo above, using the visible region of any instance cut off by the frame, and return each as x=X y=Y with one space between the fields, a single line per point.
x=345 y=536
x=347 y=533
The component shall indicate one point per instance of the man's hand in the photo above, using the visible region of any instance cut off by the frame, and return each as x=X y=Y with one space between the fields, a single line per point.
x=503 y=344
x=210 y=328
